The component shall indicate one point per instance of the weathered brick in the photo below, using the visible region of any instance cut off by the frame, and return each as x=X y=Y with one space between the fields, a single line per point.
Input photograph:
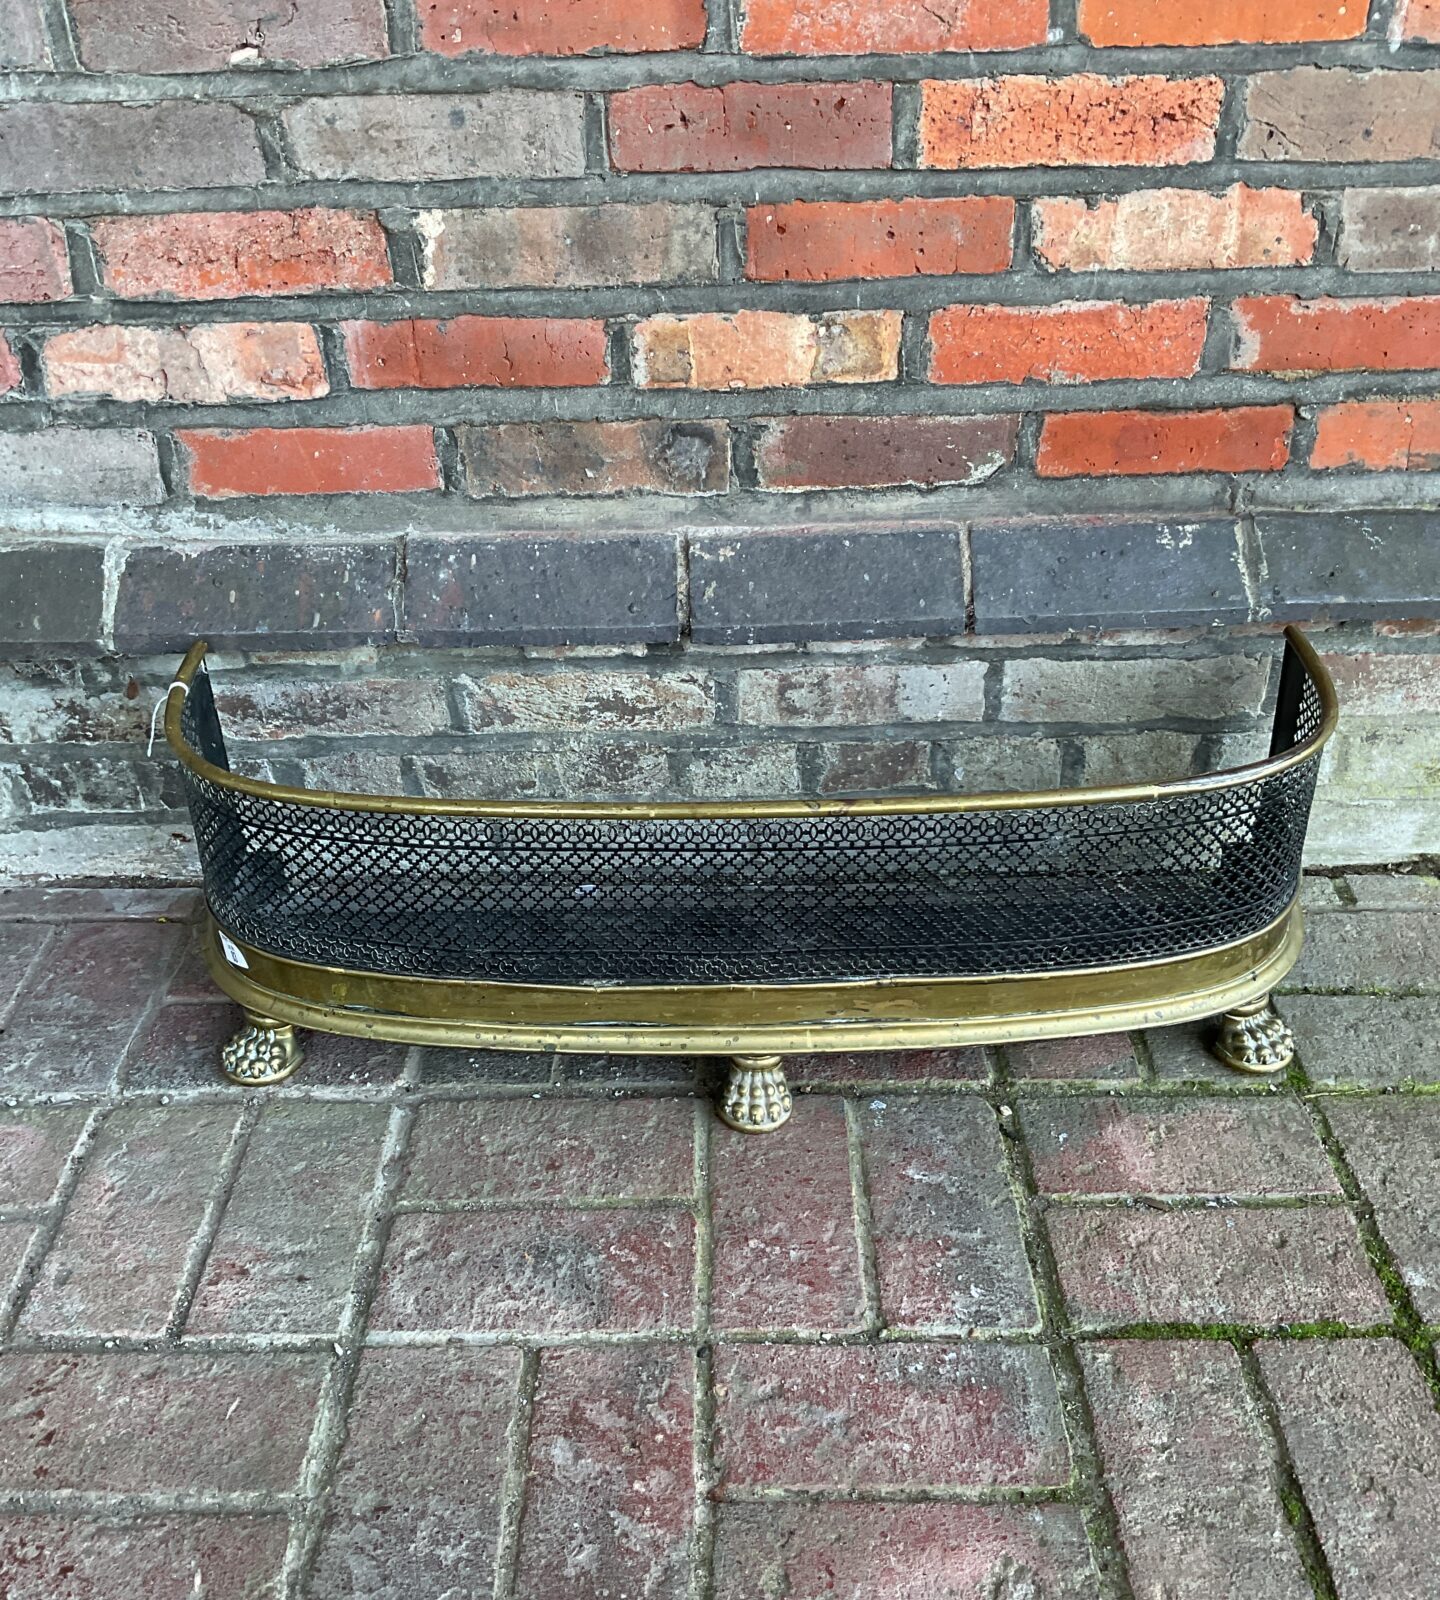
x=560 y=589
x=1072 y=342
x=1073 y=689
x=758 y=587
x=1176 y=1147
x=595 y=701
x=454 y=27
x=813 y=241
x=1390 y=230
x=785 y=1253
x=1390 y=891
x=169 y=1558
x=577 y=770
x=1154 y=756
x=80 y=467
x=34 y=262
x=513 y=133
x=51 y=597
x=1129 y=443
x=34 y=1147
x=23 y=44
x=563 y=247
x=852 y=1069
x=874 y=766
x=947 y=1238
x=1100 y=1056
x=1184 y=1055
x=551 y=1150
x=684 y=127
x=56 y=147
x=1278 y=333
x=766 y=349
x=1383 y=435
x=195 y=366
x=609 y=1491
x=861 y=1418
x=1335 y=114
x=741 y=771
x=117 y=1263
x=1079 y=121
x=210 y=35
x=1356 y=1039
x=650 y=456
x=219 y=255
x=1175 y=230
x=1041 y=576
x=1370 y=1499
x=1349 y=564
x=504 y=352
x=56 y=707
x=1187 y=1460
x=538 y=1272
x=1268 y=1266
x=985 y=765
x=10 y=375
x=416 y=1503
x=857 y=694
x=133 y=1423
x=820 y=452
x=1419 y=20
x=73 y=1021
x=297 y=707
x=1151 y=22
x=85 y=784
x=811 y=28
x=224 y=463
x=849 y=1550
x=275 y=596
x=284 y=1253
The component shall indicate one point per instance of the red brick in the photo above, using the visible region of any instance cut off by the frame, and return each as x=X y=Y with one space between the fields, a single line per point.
x=814 y=241
x=1247 y=439
x=207 y=365
x=1176 y=1147
x=558 y=28
x=766 y=349
x=1073 y=342
x=1144 y=22
x=1188 y=1463
x=225 y=463
x=504 y=352
x=614 y=1271
x=866 y=1417
x=848 y=1550
x=682 y=127
x=161 y=1558
x=1384 y=435
x=34 y=262
x=819 y=452
x=152 y=1424
x=814 y=28
x=1421 y=20
x=551 y=1150
x=846 y=1068
x=786 y=1254
x=1361 y=1427
x=208 y=35
x=1175 y=230
x=34 y=1146
x=223 y=255
x=609 y=1493
x=10 y=375
x=868 y=766
x=1095 y=1055
x=1278 y=333
x=1268 y=1267
x=416 y=1505
x=1081 y=121
x=947 y=1237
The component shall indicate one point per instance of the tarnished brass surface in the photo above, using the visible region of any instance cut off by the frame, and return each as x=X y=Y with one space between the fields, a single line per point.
x=263 y=1052
x=1253 y=1038
x=756 y=1098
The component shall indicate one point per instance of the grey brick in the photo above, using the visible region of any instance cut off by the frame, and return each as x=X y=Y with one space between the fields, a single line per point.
x=848 y=693
x=177 y=144
x=1081 y=689
x=276 y=596
x=1351 y=564
x=596 y=700
x=80 y=467
x=23 y=42
x=519 y=459
x=202 y=35
x=1370 y=952
x=543 y=590
x=755 y=587
x=51 y=598
x=403 y=138
x=1333 y=114
x=1350 y=1041
x=1095 y=572
x=1390 y=230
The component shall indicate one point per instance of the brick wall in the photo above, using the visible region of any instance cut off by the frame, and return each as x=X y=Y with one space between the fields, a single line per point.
x=707 y=395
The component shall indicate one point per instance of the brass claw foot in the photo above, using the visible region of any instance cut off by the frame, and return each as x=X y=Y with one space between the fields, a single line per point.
x=756 y=1097
x=1254 y=1039
x=264 y=1051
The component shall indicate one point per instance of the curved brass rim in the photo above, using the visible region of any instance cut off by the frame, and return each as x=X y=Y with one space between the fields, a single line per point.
x=756 y=1019
x=1226 y=778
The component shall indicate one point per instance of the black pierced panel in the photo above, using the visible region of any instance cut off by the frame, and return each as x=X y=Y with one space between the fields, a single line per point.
x=635 y=900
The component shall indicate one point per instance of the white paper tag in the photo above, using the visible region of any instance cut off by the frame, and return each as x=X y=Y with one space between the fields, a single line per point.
x=233 y=953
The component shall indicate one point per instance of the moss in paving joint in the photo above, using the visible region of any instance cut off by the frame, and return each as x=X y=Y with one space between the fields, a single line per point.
x=1239 y=1332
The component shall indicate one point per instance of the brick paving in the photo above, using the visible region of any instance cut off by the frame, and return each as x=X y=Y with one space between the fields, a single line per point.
x=1087 y=1318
